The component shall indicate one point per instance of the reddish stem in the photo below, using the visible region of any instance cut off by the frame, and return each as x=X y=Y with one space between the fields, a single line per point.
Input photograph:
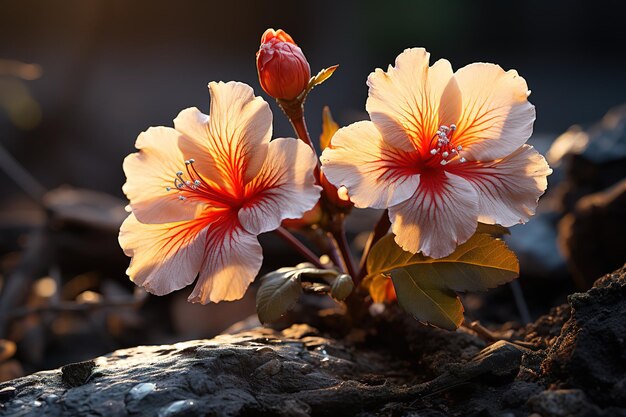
x=335 y=256
x=294 y=110
x=295 y=114
x=338 y=232
x=299 y=246
x=380 y=230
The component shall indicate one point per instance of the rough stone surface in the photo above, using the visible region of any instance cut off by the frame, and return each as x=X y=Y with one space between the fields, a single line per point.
x=592 y=235
x=590 y=352
x=568 y=363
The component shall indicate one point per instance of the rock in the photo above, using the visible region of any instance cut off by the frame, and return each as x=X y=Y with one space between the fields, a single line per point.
x=592 y=235
x=592 y=196
x=562 y=403
x=7 y=393
x=590 y=353
x=569 y=363
x=77 y=374
x=594 y=159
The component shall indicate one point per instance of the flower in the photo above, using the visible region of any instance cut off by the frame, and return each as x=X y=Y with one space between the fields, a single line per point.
x=283 y=70
x=200 y=193
x=443 y=151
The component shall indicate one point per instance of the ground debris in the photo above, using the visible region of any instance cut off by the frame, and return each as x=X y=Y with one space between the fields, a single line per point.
x=302 y=372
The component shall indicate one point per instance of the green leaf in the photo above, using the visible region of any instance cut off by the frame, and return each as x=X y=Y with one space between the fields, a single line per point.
x=481 y=263
x=279 y=290
x=427 y=299
x=329 y=127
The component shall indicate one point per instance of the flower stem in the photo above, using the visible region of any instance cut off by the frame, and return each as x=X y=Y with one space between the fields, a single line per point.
x=380 y=230
x=294 y=110
x=338 y=232
x=335 y=256
x=299 y=246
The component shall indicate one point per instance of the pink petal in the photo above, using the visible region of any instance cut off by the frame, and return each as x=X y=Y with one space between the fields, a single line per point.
x=410 y=101
x=508 y=189
x=441 y=215
x=375 y=173
x=497 y=117
x=232 y=261
x=150 y=172
x=234 y=138
x=284 y=188
x=166 y=257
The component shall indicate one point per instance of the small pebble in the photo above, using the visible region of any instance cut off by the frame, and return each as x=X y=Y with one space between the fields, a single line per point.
x=141 y=390
x=51 y=398
x=177 y=408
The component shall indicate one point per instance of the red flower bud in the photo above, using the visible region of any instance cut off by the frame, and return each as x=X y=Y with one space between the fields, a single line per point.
x=283 y=70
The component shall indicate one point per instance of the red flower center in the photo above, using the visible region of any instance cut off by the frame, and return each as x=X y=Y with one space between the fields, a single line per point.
x=190 y=185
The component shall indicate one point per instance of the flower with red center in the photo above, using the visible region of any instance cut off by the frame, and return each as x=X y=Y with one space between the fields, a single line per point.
x=200 y=193
x=283 y=70
x=443 y=151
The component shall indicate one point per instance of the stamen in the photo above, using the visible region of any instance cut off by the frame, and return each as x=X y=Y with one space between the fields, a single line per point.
x=189 y=184
x=444 y=144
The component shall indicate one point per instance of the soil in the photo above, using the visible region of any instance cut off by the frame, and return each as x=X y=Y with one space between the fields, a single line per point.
x=571 y=362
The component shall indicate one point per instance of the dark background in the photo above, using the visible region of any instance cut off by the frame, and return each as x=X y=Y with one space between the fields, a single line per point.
x=113 y=68
x=109 y=69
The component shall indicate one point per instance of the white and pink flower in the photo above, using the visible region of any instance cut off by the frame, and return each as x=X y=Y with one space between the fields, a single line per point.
x=443 y=151
x=201 y=192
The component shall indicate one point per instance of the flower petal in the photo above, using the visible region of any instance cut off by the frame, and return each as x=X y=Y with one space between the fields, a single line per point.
x=508 y=189
x=232 y=261
x=165 y=257
x=150 y=171
x=233 y=140
x=497 y=117
x=195 y=127
x=375 y=173
x=410 y=101
x=284 y=188
x=439 y=216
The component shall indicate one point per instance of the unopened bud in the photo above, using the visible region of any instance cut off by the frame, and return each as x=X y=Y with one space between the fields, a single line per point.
x=342 y=287
x=284 y=72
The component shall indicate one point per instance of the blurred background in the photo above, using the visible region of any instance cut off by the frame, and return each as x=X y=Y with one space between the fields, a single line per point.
x=80 y=79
